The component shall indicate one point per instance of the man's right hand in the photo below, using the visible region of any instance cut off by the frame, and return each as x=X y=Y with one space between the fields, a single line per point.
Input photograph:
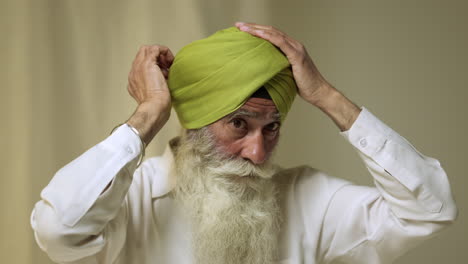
x=147 y=85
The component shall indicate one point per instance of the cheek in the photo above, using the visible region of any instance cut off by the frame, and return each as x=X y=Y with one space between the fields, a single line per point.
x=270 y=144
x=229 y=146
x=225 y=142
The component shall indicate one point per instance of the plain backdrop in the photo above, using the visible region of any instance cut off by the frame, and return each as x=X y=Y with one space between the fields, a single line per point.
x=64 y=66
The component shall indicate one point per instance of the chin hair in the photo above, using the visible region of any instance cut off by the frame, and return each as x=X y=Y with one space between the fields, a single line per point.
x=231 y=203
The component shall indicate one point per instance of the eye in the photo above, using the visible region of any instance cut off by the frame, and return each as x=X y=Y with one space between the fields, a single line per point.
x=238 y=123
x=273 y=127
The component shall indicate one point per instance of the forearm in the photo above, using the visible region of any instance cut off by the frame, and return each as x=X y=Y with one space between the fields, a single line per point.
x=337 y=106
x=148 y=119
x=414 y=185
x=74 y=212
x=411 y=200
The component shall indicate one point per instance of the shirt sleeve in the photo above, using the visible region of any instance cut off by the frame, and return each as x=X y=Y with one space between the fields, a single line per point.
x=77 y=216
x=411 y=200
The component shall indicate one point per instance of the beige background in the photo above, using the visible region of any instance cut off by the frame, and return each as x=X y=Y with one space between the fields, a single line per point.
x=64 y=65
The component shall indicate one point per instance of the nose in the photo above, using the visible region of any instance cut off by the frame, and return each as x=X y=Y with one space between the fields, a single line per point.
x=254 y=148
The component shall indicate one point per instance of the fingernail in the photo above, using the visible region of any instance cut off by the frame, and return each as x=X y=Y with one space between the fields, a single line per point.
x=238 y=23
x=244 y=28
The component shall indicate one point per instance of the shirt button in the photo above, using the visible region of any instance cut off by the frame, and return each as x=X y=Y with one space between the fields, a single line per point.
x=363 y=142
x=129 y=150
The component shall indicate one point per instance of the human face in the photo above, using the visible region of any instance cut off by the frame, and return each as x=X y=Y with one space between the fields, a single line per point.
x=251 y=132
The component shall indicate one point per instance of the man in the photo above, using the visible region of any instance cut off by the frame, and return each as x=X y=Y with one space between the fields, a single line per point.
x=214 y=196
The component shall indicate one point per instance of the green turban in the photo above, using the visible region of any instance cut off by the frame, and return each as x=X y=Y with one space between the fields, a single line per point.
x=213 y=77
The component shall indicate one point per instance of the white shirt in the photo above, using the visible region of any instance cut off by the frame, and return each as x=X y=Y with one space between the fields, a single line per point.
x=325 y=218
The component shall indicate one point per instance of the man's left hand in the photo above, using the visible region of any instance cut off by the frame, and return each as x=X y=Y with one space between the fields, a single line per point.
x=311 y=85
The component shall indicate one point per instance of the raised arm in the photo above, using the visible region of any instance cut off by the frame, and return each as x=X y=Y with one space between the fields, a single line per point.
x=82 y=214
x=411 y=200
x=147 y=85
x=312 y=86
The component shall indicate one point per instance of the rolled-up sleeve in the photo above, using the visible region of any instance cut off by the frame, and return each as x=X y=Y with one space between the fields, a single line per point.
x=411 y=200
x=77 y=216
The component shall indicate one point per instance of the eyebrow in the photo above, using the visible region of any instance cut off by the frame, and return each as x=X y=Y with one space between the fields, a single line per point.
x=245 y=113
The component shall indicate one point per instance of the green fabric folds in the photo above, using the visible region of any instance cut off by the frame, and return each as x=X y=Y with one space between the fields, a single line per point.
x=212 y=77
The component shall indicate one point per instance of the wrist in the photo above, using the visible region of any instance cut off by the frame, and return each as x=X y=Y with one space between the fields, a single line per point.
x=148 y=119
x=338 y=107
x=323 y=96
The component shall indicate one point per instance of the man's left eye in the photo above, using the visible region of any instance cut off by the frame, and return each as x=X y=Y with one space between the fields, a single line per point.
x=273 y=127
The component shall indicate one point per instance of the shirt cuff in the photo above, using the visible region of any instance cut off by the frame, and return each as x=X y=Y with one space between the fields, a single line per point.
x=368 y=133
x=76 y=187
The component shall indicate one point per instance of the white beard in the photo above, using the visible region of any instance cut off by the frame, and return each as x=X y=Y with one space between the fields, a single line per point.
x=232 y=204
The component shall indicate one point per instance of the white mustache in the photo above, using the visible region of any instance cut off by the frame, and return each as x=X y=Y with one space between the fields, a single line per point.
x=242 y=168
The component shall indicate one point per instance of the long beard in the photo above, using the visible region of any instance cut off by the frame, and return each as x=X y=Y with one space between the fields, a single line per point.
x=232 y=203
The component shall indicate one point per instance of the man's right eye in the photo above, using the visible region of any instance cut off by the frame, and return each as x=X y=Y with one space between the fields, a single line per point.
x=238 y=123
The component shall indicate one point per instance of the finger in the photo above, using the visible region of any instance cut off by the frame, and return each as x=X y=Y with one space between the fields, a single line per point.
x=274 y=36
x=152 y=53
x=268 y=29
x=159 y=56
x=140 y=56
x=165 y=72
x=165 y=58
x=247 y=24
x=252 y=26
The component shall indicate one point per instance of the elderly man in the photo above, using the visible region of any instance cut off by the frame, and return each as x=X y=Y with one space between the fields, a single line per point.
x=214 y=196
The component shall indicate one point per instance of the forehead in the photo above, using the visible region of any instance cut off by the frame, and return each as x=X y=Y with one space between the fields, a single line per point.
x=258 y=108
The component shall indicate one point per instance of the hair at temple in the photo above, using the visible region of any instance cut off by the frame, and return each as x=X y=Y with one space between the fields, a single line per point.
x=261 y=93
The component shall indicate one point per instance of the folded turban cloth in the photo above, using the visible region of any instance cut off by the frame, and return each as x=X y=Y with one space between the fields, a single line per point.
x=212 y=77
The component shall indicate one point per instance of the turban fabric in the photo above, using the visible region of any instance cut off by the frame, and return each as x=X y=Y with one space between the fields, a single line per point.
x=212 y=77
